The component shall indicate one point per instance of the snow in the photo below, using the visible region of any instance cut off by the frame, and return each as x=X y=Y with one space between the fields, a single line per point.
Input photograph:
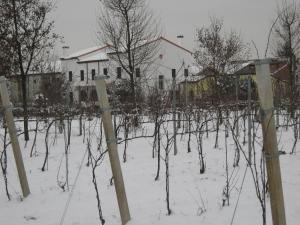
x=83 y=52
x=101 y=56
x=194 y=198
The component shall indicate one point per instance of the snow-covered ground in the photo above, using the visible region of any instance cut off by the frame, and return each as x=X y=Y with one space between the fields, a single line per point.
x=194 y=198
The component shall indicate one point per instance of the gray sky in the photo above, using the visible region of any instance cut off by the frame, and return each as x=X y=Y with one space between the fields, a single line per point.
x=76 y=20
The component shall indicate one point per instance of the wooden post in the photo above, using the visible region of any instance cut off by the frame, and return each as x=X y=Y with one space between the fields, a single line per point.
x=174 y=109
x=13 y=137
x=112 y=148
x=270 y=148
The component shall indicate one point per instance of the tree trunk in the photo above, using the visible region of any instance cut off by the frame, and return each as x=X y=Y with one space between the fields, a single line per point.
x=25 y=109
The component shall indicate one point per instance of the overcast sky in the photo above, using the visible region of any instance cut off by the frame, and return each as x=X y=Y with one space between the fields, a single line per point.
x=76 y=20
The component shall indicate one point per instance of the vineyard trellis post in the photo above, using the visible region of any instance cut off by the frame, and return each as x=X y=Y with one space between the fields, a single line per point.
x=112 y=148
x=7 y=106
x=270 y=146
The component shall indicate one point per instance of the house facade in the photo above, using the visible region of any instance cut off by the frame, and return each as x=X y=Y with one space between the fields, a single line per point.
x=80 y=69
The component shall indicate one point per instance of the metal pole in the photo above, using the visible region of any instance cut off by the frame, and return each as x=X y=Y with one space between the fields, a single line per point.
x=13 y=136
x=174 y=109
x=249 y=121
x=270 y=146
x=112 y=149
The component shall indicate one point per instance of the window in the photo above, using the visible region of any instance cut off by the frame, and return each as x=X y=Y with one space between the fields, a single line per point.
x=83 y=95
x=105 y=71
x=161 y=82
x=93 y=95
x=119 y=72
x=70 y=76
x=71 y=97
x=81 y=75
x=186 y=72
x=137 y=72
x=93 y=74
x=173 y=73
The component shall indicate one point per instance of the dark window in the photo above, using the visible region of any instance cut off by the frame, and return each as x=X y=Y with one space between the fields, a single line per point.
x=105 y=71
x=83 y=95
x=119 y=72
x=137 y=72
x=186 y=72
x=93 y=95
x=93 y=74
x=81 y=75
x=71 y=97
x=173 y=73
x=161 y=82
x=70 y=76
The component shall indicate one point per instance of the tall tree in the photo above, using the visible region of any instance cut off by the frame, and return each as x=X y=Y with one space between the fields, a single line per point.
x=216 y=50
x=129 y=26
x=287 y=37
x=26 y=32
x=5 y=61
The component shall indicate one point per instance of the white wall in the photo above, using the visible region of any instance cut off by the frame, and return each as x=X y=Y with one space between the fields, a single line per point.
x=75 y=67
x=173 y=57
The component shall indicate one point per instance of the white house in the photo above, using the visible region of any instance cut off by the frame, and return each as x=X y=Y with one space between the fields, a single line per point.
x=81 y=67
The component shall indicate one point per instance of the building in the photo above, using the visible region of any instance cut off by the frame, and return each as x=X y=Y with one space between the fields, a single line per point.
x=80 y=68
x=202 y=85
x=280 y=74
x=34 y=83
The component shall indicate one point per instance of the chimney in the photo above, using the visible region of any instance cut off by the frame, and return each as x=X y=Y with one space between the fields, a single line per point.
x=65 y=51
x=180 y=39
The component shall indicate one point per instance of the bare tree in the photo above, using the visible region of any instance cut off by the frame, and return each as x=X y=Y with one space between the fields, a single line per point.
x=216 y=50
x=27 y=33
x=5 y=60
x=287 y=36
x=53 y=90
x=132 y=31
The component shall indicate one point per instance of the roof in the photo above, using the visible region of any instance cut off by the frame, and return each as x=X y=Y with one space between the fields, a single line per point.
x=177 y=45
x=85 y=52
x=169 y=41
x=279 y=70
x=101 y=56
x=48 y=68
x=46 y=74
